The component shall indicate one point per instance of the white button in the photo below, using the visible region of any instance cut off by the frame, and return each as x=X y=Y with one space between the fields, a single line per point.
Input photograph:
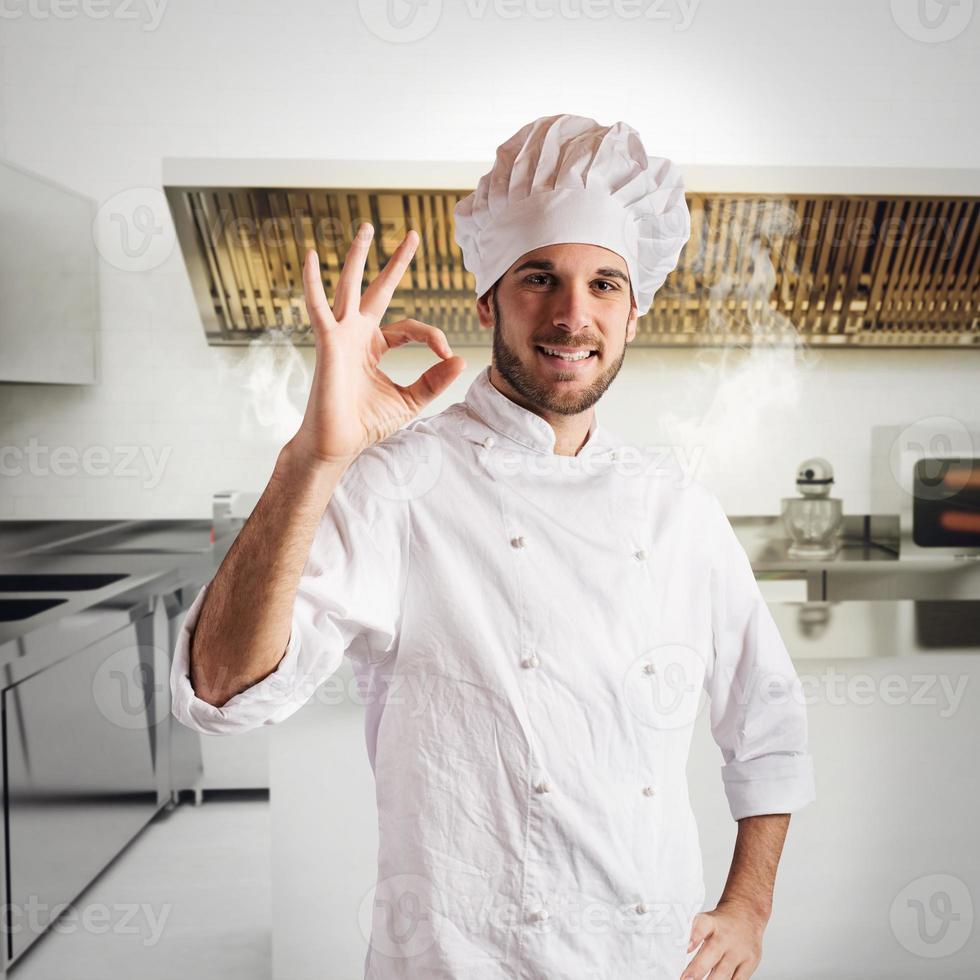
x=531 y=661
x=641 y=908
x=649 y=668
x=617 y=454
x=539 y=915
x=543 y=787
x=489 y=442
x=640 y=555
x=517 y=542
x=649 y=790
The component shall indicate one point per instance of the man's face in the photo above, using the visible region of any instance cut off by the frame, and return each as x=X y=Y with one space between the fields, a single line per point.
x=569 y=297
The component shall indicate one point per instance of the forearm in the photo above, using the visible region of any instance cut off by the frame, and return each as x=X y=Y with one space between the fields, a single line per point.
x=244 y=626
x=752 y=877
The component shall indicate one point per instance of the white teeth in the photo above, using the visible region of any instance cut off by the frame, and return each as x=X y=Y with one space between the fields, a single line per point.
x=567 y=357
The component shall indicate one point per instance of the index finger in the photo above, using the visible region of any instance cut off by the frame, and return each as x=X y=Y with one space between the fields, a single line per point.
x=378 y=295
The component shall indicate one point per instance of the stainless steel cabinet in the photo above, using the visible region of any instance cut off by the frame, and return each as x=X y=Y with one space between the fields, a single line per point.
x=186 y=757
x=49 y=303
x=83 y=749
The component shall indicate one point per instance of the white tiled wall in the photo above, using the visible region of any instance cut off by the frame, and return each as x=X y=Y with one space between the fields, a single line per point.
x=95 y=102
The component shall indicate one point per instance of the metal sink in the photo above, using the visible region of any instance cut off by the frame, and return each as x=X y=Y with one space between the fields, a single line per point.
x=12 y=610
x=56 y=582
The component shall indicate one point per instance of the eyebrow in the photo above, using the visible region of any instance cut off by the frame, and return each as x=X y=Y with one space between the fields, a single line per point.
x=545 y=265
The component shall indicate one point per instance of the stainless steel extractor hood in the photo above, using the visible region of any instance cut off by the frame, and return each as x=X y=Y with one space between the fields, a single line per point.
x=824 y=257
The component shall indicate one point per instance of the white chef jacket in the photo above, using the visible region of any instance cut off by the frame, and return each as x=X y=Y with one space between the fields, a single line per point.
x=552 y=626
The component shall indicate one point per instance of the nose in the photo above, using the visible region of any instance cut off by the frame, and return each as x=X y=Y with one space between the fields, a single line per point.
x=572 y=309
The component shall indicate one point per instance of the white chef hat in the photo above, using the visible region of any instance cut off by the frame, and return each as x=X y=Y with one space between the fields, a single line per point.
x=567 y=179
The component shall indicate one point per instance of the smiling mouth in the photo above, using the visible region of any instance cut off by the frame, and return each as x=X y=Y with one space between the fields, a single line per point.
x=565 y=357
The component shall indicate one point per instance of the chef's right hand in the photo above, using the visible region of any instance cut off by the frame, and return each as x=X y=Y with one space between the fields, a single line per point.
x=353 y=403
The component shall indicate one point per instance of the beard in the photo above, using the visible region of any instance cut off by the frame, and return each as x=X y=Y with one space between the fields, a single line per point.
x=541 y=394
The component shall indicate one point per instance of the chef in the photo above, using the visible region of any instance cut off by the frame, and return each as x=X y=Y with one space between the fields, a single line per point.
x=539 y=611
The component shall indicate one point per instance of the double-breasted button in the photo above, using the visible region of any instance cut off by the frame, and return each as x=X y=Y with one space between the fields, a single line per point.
x=489 y=442
x=518 y=542
x=543 y=787
x=539 y=915
x=649 y=790
x=641 y=908
x=531 y=661
x=649 y=667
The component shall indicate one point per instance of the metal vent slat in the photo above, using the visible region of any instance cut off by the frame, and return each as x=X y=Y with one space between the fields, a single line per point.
x=858 y=271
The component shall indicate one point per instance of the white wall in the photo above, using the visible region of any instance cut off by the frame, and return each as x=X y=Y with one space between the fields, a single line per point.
x=94 y=103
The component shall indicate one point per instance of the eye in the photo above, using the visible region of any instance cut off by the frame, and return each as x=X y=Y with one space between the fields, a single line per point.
x=537 y=277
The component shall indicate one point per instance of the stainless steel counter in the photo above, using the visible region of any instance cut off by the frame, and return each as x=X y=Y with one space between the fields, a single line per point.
x=153 y=557
x=766 y=543
x=868 y=566
x=867 y=574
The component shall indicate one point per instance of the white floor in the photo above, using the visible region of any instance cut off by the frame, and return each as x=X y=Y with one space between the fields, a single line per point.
x=189 y=899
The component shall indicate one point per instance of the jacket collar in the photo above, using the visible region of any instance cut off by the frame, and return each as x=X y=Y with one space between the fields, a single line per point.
x=522 y=426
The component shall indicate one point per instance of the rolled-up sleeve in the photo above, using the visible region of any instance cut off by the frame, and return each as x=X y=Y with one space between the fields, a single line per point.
x=757 y=708
x=350 y=590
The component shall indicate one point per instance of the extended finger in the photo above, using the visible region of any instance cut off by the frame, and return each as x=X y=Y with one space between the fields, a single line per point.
x=405 y=330
x=348 y=297
x=706 y=960
x=725 y=968
x=378 y=295
x=313 y=294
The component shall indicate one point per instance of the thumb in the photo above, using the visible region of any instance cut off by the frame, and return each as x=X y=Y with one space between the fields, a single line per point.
x=434 y=381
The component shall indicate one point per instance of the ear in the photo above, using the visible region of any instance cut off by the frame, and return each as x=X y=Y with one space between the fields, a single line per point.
x=631 y=323
x=484 y=310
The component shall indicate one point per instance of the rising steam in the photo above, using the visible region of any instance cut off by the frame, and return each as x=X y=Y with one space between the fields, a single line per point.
x=275 y=380
x=742 y=385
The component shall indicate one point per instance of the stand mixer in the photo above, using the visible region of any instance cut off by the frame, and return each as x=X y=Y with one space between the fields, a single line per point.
x=813 y=519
